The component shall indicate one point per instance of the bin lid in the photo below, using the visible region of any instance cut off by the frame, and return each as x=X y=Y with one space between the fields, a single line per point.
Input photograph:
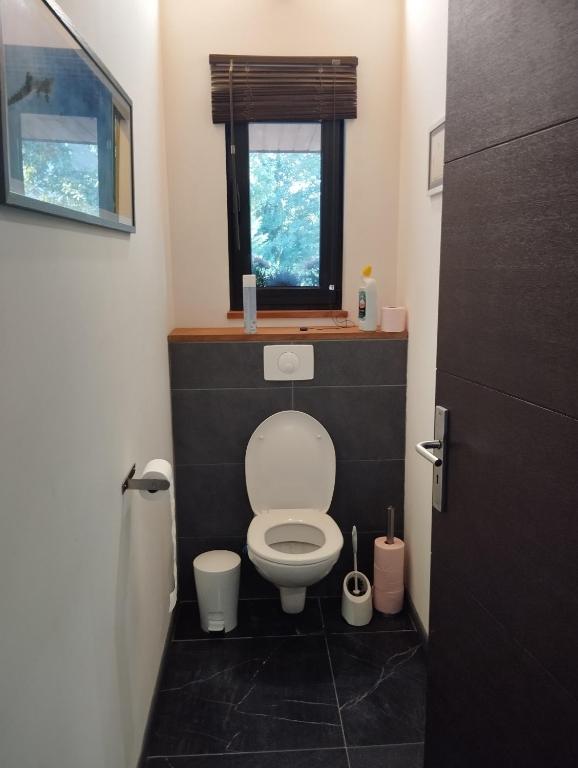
x=216 y=561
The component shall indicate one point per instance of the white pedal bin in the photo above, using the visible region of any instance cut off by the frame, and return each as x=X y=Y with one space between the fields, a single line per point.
x=217 y=581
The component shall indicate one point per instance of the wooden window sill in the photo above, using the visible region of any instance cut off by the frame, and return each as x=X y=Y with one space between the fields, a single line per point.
x=279 y=334
x=288 y=314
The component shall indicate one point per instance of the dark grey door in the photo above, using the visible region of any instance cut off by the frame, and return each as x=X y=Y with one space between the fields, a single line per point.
x=503 y=666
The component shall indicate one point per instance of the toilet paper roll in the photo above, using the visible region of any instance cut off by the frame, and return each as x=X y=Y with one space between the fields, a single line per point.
x=160 y=469
x=393 y=319
x=388 y=574
x=387 y=602
x=386 y=556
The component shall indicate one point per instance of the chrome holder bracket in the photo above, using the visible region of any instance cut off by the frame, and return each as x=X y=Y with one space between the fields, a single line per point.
x=150 y=484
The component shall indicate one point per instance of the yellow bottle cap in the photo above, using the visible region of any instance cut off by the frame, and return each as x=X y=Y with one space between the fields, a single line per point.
x=366 y=271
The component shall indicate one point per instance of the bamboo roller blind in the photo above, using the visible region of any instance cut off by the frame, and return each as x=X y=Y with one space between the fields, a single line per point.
x=283 y=87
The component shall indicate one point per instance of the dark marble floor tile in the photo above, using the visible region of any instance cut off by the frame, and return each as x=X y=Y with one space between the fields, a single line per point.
x=336 y=624
x=380 y=679
x=318 y=758
x=256 y=618
x=245 y=695
x=396 y=756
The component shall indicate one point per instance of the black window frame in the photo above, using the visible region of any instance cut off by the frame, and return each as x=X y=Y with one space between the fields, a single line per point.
x=331 y=235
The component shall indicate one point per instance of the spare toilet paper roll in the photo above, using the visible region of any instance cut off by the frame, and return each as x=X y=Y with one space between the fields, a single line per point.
x=393 y=319
x=387 y=556
x=160 y=469
x=388 y=567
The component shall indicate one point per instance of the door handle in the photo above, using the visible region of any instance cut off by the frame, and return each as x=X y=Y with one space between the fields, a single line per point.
x=423 y=450
x=434 y=451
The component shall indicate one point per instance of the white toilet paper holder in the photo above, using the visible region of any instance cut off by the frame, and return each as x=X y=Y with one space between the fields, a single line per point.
x=150 y=484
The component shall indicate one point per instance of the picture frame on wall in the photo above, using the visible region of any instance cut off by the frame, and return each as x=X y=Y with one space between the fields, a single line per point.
x=66 y=125
x=435 y=177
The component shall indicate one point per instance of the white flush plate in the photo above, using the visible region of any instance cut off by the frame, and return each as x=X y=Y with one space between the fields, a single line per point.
x=288 y=362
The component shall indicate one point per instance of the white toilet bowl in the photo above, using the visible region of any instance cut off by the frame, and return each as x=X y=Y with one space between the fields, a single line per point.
x=290 y=472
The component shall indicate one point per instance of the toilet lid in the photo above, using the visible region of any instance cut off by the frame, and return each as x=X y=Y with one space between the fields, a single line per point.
x=290 y=464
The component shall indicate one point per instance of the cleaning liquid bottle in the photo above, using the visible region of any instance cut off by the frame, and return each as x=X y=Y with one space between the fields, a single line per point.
x=367 y=315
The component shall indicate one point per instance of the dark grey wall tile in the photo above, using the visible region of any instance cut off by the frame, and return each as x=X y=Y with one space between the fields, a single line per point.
x=364 y=490
x=358 y=362
x=212 y=500
x=212 y=426
x=364 y=422
x=397 y=756
x=221 y=364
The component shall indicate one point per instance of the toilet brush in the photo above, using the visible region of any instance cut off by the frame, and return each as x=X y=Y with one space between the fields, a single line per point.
x=356 y=598
x=356 y=590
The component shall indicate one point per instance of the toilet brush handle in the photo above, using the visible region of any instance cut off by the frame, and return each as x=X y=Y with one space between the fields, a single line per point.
x=354 y=545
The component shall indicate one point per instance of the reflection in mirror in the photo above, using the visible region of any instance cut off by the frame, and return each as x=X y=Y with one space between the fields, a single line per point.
x=66 y=124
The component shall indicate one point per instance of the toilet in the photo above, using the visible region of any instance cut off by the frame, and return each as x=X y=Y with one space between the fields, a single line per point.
x=290 y=475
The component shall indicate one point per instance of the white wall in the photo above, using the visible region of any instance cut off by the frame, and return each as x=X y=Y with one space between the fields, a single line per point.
x=423 y=103
x=196 y=147
x=84 y=572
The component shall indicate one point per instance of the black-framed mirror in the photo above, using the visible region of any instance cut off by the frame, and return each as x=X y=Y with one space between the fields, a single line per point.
x=66 y=124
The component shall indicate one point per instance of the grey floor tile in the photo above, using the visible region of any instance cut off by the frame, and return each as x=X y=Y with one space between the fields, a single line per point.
x=380 y=679
x=214 y=426
x=364 y=422
x=315 y=758
x=245 y=696
x=398 y=756
x=256 y=618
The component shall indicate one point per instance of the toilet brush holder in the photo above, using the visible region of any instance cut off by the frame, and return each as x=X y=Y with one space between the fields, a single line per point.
x=356 y=609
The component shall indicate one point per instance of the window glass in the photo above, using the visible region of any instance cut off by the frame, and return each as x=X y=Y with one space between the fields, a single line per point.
x=285 y=202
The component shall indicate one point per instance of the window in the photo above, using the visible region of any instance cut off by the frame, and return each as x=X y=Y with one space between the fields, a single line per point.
x=287 y=225
x=284 y=117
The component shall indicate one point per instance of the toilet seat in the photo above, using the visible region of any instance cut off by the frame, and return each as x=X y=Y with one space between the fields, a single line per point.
x=290 y=464
x=321 y=522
